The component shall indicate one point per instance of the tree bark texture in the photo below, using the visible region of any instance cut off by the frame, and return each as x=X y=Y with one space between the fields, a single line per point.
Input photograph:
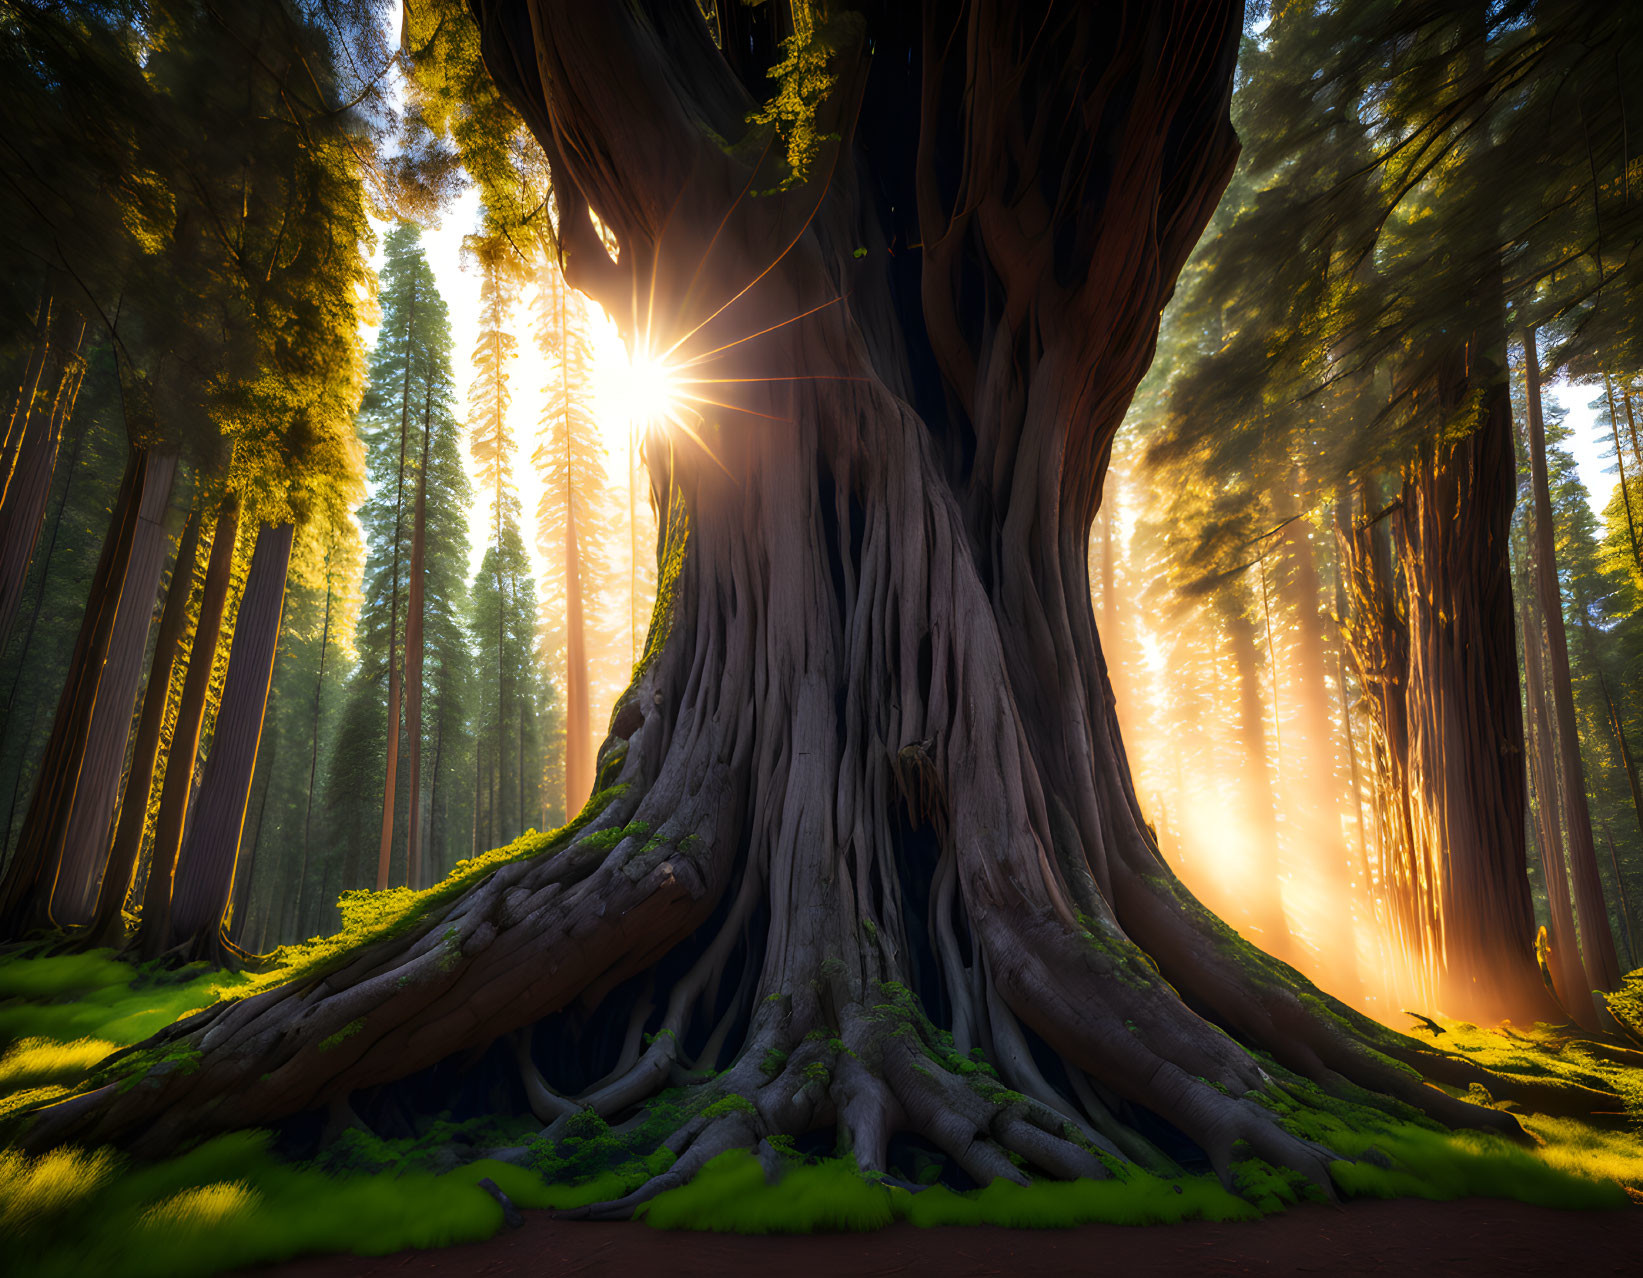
x=86 y=842
x=25 y=893
x=1377 y=641
x=869 y=770
x=108 y=923
x=181 y=758
x=1465 y=720
x=1592 y=915
x=206 y=869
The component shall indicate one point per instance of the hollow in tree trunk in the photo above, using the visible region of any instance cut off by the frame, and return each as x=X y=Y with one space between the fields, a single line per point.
x=868 y=780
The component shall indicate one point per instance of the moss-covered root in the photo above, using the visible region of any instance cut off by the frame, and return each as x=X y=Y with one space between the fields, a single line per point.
x=881 y=1069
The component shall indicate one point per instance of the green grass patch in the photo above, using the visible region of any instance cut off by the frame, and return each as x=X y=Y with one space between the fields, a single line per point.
x=227 y=1204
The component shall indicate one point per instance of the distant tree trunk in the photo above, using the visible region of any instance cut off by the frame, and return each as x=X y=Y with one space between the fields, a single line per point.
x=1596 y=940
x=44 y=405
x=6 y=723
x=298 y=921
x=1262 y=902
x=390 y=783
x=578 y=742
x=25 y=892
x=1625 y=753
x=108 y=922
x=181 y=758
x=206 y=868
x=86 y=842
x=1317 y=801
x=414 y=654
x=1465 y=720
x=1620 y=469
x=1568 y=976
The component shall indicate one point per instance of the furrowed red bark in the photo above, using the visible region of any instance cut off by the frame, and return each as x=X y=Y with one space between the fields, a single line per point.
x=108 y=923
x=25 y=892
x=86 y=841
x=1466 y=728
x=1592 y=916
x=206 y=869
x=184 y=751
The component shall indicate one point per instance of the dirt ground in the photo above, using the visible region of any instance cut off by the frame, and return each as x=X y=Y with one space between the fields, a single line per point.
x=1473 y=1236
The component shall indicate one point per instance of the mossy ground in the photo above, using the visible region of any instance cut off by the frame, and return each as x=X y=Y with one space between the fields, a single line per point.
x=231 y=1202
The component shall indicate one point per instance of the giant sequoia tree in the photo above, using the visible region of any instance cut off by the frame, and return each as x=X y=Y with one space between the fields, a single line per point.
x=867 y=788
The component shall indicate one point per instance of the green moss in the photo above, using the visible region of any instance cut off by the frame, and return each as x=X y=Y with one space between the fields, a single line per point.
x=773 y=1061
x=342 y=1035
x=227 y=1205
x=727 y=1105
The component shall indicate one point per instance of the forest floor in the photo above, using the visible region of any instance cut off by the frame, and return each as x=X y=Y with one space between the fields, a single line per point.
x=1403 y=1236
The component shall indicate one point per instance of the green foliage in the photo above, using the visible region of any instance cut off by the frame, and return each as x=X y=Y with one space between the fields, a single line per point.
x=805 y=79
x=229 y=1204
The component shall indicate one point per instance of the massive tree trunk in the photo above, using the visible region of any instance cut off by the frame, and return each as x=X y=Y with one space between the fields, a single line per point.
x=108 y=923
x=181 y=758
x=209 y=860
x=25 y=893
x=869 y=769
x=86 y=842
x=1465 y=721
x=1596 y=940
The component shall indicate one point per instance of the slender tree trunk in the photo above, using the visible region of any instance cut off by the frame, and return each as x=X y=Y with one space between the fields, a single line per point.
x=1620 y=469
x=1625 y=904
x=86 y=842
x=1596 y=940
x=37 y=427
x=1567 y=974
x=414 y=655
x=390 y=783
x=183 y=755
x=1315 y=798
x=1262 y=900
x=207 y=867
x=41 y=586
x=28 y=390
x=25 y=892
x=108 y=922
x=313 y=755
x=578 y=744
